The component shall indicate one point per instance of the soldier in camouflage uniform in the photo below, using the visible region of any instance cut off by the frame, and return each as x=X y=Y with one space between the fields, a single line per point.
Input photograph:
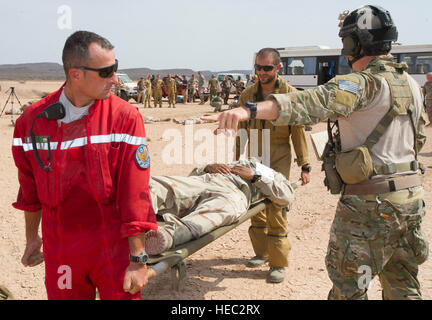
x=226 y=89
x=201 y=83
x=141 y=90
x=171 y=87
x=427 y=91
x=213 y=86
x=191 y=88
x=377 y=227
x=239 y=85
x=157 y=91
x=195 y=205
x=148 y=92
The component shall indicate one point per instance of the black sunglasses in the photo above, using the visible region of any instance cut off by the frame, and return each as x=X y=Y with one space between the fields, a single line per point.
x=259 y=67
x=105 y=72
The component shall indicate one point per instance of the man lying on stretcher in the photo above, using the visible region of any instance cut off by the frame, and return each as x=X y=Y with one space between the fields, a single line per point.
x=195 y=205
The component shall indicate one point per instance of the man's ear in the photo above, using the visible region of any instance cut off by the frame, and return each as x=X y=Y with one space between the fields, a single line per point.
x=75 y=74
x=278 y=67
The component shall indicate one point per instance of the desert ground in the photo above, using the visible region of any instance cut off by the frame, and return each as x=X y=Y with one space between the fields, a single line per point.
x=218 y=270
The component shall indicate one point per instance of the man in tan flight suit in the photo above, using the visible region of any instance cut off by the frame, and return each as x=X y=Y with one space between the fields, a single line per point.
x=157 y=91
x=195 y=205
x=148 y=92
x=268 y=231
x=171 y=87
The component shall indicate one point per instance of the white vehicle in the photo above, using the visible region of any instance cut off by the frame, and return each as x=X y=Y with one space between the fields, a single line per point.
x=308 y=67
x=233 y=77
x=129 y=88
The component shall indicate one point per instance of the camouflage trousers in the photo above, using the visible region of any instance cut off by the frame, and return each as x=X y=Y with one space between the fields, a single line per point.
x=185 y=95
x=428 y=107
x=206 y=203
x=157 y=98
x=384 y=239
x=213 y=94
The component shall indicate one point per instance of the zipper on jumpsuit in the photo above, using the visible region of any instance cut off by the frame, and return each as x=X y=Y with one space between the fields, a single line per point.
x=95 y=195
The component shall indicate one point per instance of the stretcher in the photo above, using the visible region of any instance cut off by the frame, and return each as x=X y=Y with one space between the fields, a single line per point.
x=174 y=258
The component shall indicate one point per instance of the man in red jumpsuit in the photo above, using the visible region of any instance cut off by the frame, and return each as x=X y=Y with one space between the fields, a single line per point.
x=94 y=200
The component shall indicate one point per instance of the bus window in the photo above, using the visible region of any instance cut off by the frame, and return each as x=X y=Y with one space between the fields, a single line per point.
x=301 y=66
x=420 y=63
x=344 y=68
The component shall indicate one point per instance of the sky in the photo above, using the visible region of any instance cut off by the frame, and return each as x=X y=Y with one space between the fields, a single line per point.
x=213 y=35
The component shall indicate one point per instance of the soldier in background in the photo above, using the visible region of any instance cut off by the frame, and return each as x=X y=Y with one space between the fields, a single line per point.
x=192 y=83
x=427 y=91
x=118 y=87
x=186 y=203
x=239 y=85
x=377 y=227
x=248 y=81
x=157 y=91
x=213 y=86
x=201 y=83
x=171 y=88
x=226 y=89
x=185 y=89
x=148 y=92
x=141 y=90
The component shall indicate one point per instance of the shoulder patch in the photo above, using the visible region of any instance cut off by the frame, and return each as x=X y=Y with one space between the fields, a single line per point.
x=348 y=86
x=142 y=157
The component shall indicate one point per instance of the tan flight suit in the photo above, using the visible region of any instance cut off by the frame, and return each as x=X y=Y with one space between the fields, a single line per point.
x=157 y=92
x=205 y=201
x=171 y=87
x=427 y=91
x=213 y=86
x=148 y=93
x=268 y=231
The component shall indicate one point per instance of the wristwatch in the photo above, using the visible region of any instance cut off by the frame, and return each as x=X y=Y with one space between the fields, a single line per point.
x=256 y=177
x=141 y=259
x=307 y=168
x=252 y=106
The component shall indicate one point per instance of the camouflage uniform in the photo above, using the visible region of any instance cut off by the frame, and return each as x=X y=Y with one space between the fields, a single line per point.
x=207 y=201
x=201 y=82
x=370 y=234
x=157 y=92
x=427 y=90
x=171 y=87
x=141 y=91
x=191 y=89
x=239 y=87
x=148 y=93
x=213 y=86
x=226 y=89
x=268 y=231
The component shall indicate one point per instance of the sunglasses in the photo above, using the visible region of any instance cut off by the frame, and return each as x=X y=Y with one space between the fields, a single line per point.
x=259 y=67
x=105 y=72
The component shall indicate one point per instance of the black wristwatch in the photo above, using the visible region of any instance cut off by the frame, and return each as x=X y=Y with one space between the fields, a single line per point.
x=256 y=177
x=307 y=168
x=141 y=259
x=252 y=106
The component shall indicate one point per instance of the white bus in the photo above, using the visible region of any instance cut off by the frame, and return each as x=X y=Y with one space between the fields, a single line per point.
x=307 y=67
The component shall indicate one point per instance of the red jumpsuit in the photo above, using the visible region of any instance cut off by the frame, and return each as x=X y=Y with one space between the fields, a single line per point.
x=95 y=196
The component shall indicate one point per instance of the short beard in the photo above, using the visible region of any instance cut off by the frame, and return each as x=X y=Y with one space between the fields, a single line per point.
x=269 y=80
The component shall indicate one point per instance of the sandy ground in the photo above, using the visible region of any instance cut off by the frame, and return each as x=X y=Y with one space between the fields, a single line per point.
x=216 y=271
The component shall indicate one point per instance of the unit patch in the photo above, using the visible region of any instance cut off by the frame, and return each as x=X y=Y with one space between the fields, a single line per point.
x=142 y=157
x=349 y=86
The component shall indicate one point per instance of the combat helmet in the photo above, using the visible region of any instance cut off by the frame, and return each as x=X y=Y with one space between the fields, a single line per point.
x=370 y=28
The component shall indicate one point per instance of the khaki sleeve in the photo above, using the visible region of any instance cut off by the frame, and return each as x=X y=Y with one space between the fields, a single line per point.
x=298 y=138
x=337 y=98
x=278 y=190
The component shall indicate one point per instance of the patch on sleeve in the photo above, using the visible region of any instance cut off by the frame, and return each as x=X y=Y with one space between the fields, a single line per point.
x=348 y=86
x=142 y=157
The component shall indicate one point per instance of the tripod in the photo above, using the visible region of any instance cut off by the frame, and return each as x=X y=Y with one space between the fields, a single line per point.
x=11 y=97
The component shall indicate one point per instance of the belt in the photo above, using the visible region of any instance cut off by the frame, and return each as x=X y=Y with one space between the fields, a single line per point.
x=386 y=186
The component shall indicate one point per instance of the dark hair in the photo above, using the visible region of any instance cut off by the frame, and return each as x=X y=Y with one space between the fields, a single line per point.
x=75 y=51
x=270 y=51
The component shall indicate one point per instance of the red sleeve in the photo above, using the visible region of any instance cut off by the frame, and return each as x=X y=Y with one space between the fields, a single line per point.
x=133 y=195
x=27 y=199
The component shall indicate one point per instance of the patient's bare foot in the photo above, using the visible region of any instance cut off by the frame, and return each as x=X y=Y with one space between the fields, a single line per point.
x=158 y=241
